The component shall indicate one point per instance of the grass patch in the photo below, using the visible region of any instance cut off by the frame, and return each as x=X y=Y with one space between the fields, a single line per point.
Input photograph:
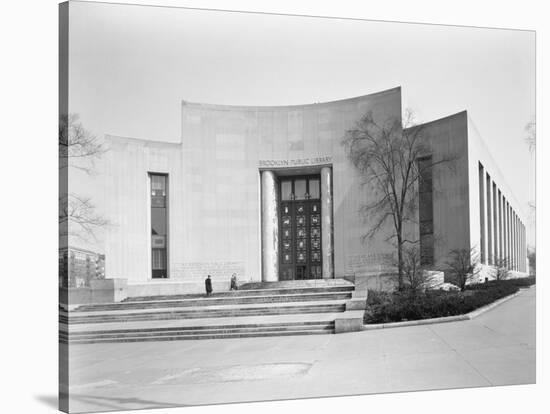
x=384 y=307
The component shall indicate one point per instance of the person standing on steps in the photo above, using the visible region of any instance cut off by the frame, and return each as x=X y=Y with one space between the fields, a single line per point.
x=234 y=282
x=208 y=285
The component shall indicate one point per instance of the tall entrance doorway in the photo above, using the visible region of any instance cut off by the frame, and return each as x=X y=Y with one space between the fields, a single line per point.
x=300 y=228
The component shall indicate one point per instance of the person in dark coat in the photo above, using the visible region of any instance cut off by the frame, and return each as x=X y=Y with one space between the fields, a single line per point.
x=208 y=285
x=234 y=282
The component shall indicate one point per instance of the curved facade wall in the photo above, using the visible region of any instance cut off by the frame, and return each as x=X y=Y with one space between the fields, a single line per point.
x=214 y=191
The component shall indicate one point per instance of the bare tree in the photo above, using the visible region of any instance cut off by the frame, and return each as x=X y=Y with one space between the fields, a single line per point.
x=387 y=158
x=463 y=266
x=76 y=142
x=416 y=277
x=80 y=212
x=502 y=268
x=77 y=214
x=532 y=256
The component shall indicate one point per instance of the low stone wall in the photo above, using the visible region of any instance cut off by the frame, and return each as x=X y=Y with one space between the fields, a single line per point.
x=349 y=321
x=118 y=289
x=99 y=291
x=109 y=290
x=74 y=296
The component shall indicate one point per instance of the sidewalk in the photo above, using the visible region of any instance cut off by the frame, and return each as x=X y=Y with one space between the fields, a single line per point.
x=496 y=348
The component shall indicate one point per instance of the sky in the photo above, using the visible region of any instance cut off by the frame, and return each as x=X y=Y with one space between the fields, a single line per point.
x=131 y=66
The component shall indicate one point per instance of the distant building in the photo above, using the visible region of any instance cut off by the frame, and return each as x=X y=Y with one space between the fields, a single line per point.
x=268 y=193
x=77 y=267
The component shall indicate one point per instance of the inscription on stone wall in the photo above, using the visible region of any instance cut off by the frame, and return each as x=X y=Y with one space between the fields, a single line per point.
x=371 y=262
x=300 y=162
x=199 y=270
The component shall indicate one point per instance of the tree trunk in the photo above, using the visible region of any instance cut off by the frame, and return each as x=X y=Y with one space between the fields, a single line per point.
x=399 y=261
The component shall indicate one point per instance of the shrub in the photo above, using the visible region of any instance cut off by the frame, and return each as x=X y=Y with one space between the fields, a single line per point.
x=401 y=306
x=522 y=282
x=377 y=297
x=518 y=282
x=462 y=266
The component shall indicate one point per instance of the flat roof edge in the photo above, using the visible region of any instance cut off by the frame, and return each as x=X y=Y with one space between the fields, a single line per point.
x=445 y=118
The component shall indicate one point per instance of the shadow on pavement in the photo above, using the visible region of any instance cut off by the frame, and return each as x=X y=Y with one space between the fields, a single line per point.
x=50 y=401
x=92 y=403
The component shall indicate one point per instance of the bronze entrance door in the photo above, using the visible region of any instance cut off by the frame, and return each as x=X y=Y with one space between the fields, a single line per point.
x=300 y=228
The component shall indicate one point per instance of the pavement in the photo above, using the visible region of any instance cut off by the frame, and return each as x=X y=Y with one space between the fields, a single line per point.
x=496 y=348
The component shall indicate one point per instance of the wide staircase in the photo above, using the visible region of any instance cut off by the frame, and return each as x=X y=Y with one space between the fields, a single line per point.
x=255 y=310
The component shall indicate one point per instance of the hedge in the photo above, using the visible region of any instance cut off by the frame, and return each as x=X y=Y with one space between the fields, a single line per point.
x=383 y=307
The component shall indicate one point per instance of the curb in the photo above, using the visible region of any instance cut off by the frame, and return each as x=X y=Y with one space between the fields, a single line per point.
x=467 y=316
x=476 y=312
x=444 y=319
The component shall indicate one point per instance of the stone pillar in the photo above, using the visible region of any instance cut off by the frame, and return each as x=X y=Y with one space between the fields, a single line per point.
x=511 y=246
x=514 y=241
x=490 y=224
x=508 y=237
x=518 y=243
x=525 y=268
x=516 y=231
x=504 y=232
x=521 y=251
x=326 y=223
x=496 y=216
x=270 y=228
x=511 y=243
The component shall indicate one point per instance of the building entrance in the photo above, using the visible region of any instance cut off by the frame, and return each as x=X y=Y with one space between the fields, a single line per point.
x=300 y=228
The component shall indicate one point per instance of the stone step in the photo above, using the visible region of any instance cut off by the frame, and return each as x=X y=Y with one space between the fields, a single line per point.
x=297 y=284
x=205 y=313
x=246 y=292
x=112 y=333
x=276 y=320
x=210 y=306
x=198 y=337
x=248 y=323
x=211 y=332
x=206 y=301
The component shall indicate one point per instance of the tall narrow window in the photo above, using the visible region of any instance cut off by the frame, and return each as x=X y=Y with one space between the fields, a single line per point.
x=314 y=188
x=159 y=225
x=482 y=214
x=286 y=190
x=425 y=201
x=300 y=191
x=490 y=251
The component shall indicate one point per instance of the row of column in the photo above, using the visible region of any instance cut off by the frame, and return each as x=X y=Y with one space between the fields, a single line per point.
x=502 y=233
x=270 y=225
